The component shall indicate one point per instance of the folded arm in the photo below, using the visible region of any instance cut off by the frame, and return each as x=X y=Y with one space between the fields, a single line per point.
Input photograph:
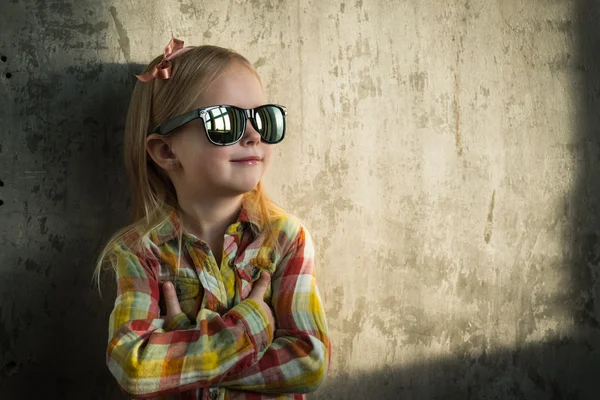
x=147 y=361
x=298 y=359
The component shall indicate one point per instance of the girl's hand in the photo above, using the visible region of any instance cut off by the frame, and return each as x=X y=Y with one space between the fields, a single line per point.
x=171 y=301
x=258 y=294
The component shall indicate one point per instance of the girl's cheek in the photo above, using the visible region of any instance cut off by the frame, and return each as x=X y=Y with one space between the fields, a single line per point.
x=267 y=155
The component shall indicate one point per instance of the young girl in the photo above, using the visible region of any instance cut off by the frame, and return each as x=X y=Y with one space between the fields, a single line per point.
x=216 y=293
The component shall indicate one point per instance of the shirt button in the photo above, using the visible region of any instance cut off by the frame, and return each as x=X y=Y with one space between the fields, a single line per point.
x=214 y=394
x=255 y=272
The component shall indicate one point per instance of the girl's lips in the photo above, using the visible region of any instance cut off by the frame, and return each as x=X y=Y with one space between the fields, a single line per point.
x=246 y=162
x=248 y=159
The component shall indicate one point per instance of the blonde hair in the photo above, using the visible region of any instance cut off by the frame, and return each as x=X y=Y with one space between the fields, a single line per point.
x=153 y=194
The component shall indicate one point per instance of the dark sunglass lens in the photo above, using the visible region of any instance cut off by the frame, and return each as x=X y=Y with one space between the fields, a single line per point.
x=270 y=123
x=224 y=125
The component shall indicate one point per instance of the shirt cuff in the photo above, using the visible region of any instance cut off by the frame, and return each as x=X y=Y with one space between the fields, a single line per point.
x=257 y=324
x=178 y=323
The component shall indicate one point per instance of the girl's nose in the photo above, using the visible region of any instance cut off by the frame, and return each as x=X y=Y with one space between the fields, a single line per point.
x=251 y=136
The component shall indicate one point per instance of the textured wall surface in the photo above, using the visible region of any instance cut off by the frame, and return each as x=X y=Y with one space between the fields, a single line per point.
x=445 y=155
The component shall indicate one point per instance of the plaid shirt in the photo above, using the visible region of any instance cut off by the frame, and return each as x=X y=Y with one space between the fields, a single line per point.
x=222 y=345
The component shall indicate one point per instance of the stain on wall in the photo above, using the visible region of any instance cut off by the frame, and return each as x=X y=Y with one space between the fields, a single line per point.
x=444 y=156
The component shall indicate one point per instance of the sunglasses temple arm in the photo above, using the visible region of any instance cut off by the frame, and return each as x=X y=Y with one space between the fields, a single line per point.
x=176 y=122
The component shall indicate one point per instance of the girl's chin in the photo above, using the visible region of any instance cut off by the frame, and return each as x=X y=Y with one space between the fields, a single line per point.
x=241 y=187
x=225 y=187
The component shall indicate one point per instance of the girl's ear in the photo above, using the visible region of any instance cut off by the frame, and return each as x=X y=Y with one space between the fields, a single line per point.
x=159 y=148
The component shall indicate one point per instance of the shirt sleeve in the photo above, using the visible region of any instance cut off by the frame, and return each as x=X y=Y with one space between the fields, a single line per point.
x=178 y=323
x=298 y=359
x=148 y=361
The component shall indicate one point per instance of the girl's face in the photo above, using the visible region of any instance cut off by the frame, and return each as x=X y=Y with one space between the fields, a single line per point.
x=206 y=169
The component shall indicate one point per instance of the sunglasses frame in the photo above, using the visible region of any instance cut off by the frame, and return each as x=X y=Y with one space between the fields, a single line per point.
x=249 y=113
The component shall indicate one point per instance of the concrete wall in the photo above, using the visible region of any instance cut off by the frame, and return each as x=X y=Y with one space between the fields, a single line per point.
x=445 y=155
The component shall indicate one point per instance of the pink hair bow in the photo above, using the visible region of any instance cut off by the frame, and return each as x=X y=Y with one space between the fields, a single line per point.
x=163 y=69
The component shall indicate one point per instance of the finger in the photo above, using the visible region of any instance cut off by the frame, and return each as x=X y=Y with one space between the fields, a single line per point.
x=171 y=300
x=261 y=284
x=271 y=315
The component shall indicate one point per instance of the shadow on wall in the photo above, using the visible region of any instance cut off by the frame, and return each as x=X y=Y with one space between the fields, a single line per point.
x=69 y=194
x=556 y=370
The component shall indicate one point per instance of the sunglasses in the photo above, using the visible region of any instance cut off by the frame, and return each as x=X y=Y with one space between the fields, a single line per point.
x=225 y=125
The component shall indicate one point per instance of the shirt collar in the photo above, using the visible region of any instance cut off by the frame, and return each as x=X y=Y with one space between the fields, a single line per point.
x=170 y=227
